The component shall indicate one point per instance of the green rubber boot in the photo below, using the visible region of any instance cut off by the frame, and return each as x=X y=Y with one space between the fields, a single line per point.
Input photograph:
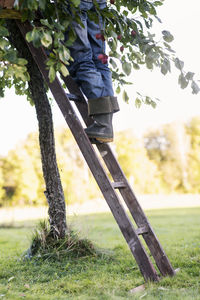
x=101 y=110
x=101 y=129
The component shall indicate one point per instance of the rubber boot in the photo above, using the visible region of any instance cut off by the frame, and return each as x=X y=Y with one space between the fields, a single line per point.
x=102 y=129
x=101 y=110
x=114 y=103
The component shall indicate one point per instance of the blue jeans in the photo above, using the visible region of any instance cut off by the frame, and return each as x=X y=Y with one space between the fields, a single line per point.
x=93 y=77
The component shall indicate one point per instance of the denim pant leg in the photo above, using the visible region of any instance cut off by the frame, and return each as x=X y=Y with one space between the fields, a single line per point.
x=84 y=69
x=98 y=47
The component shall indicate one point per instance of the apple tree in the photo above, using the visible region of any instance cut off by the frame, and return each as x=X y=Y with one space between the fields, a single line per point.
x=132 y=44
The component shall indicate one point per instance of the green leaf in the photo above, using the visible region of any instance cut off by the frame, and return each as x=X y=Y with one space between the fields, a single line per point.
x=3 y=43
x=46 y=39
x=113 y=45
x=3 y=31
x=29 y=36
x=189 y=75
x=20 y=72
x=195 y=88
x=51 y=61
x=178 y=63
x=127 y=68
x=76 y=2
x=153 y=104
x=138 y=103
x=125 y=13
x=118 y=89
x=167 y=36
x=168 y=47
x=114 y=54
x=147 y=100
x=113 y=34
x=11 y=56
x=45 y=22
x=64 y=55
x=52 y=74
x=152 y=10
x=34 y=36
x=149 y=62
x=22 y=61
x=64 y=70
x=125 y=96
x=182 y=81
x=158 y=3
x=165 y=67
x=113 y=63
x=136 y=66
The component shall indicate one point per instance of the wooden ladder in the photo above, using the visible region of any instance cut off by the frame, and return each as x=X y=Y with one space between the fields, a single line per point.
x=107 y=187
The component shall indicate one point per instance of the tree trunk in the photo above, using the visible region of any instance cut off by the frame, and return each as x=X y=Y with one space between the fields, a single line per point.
x=54 y=191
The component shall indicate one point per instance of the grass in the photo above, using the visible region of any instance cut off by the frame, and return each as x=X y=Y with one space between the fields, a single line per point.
x=110 y=275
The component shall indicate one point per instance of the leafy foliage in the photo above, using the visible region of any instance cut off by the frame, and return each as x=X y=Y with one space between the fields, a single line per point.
x=13 y=70
x=127 y=32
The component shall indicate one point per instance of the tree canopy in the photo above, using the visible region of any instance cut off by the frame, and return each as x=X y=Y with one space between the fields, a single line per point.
x=128 y=33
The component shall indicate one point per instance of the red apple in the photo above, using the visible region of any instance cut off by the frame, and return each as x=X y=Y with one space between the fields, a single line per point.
x=104 y=60
x=102 y=38
x=98 y=36
x=100 y=56
x=133 y=33
x=122 y=48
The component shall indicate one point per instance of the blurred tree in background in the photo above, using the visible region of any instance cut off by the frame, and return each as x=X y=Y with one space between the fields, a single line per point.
x=2 y=191
x=133 y=158
x=168 y=147
x=193 y=130
x=22 y=180
x=165 y=160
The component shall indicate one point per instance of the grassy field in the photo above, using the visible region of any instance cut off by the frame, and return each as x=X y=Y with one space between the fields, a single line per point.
x=109 y=276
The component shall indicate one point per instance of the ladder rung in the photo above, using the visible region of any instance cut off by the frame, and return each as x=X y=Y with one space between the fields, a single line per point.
x=118 y=185
x=74 y=97
x=142 y=230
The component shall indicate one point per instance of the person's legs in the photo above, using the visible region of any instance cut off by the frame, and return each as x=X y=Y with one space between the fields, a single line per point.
x=98 y=47
x=95 y=83
x=83 y=69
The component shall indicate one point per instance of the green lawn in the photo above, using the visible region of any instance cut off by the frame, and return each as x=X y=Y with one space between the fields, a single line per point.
x=110 y=276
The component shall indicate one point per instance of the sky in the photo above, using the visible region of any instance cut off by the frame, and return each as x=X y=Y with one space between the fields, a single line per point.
x=18 y=118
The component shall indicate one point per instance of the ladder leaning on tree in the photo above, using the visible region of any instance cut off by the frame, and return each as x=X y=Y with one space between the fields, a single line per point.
x=130 y=233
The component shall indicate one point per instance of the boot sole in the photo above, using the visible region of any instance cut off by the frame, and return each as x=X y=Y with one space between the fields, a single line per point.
x=101 y=139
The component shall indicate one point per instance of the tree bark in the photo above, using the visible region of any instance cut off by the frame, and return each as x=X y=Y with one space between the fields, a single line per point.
x=54 y=191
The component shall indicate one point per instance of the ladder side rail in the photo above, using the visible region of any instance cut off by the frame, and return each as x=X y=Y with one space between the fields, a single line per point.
x=122 y=219
x=127 y=193
x=82 y=106
x=137 y=212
